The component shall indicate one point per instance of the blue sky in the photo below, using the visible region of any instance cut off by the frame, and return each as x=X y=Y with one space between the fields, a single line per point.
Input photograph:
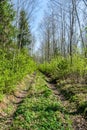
x=38 y=16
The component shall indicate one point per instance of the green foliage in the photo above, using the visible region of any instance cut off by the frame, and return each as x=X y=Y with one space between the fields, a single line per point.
x=13 y=67
x=57 y=68
x=41 y=110
x=7 y=30
x=14 y=64
x=82 y=107
x=62 y=71
x=79 y=65
x=24 y=36
x=61 y=68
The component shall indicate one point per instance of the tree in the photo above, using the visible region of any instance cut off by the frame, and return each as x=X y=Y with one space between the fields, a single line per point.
x=85 y=2
x=6 y=28
x=24 y=36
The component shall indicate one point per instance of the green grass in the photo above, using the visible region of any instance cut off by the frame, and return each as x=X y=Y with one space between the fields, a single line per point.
x=41 y=110
x=75 y=93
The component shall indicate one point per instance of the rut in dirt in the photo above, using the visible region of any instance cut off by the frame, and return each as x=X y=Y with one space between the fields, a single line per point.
x=6 y=120
x=79 y=123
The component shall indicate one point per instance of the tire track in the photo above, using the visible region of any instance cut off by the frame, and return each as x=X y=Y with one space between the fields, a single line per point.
x=19 y=96
x=79 y=123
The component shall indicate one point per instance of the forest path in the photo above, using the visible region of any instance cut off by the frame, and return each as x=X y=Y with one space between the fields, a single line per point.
x=79 y=123
x=10 y=103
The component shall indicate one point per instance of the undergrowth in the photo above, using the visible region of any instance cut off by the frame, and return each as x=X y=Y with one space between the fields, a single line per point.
x=13 y=67
x=41 y=110
x=71 y=79
x=60 y=67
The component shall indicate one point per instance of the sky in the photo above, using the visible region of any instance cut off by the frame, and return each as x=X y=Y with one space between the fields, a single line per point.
x=37 y=16
x=38 y=13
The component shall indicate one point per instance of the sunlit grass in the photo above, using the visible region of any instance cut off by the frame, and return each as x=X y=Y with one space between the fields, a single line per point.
x=41 y=110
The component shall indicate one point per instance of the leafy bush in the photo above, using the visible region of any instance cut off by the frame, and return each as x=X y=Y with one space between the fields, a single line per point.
x=79 y=65
x=61 y=67
x=13 y=67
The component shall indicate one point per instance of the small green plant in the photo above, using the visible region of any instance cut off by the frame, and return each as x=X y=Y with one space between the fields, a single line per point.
x=41 y=112
x=60 y=67
x=12 y=70
x=82 y=107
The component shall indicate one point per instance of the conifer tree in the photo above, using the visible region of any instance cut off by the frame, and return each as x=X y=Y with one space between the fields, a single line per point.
x=24 y=36
x=6 y=28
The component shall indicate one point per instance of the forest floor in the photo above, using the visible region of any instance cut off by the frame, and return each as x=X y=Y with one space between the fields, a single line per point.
x=10 y=102
x=79 y=122
x=39 y=104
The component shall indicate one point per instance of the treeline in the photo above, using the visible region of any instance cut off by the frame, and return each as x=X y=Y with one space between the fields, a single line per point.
x=63 y=51
x=63 y=30
x=63 y=34
x=15 y=59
